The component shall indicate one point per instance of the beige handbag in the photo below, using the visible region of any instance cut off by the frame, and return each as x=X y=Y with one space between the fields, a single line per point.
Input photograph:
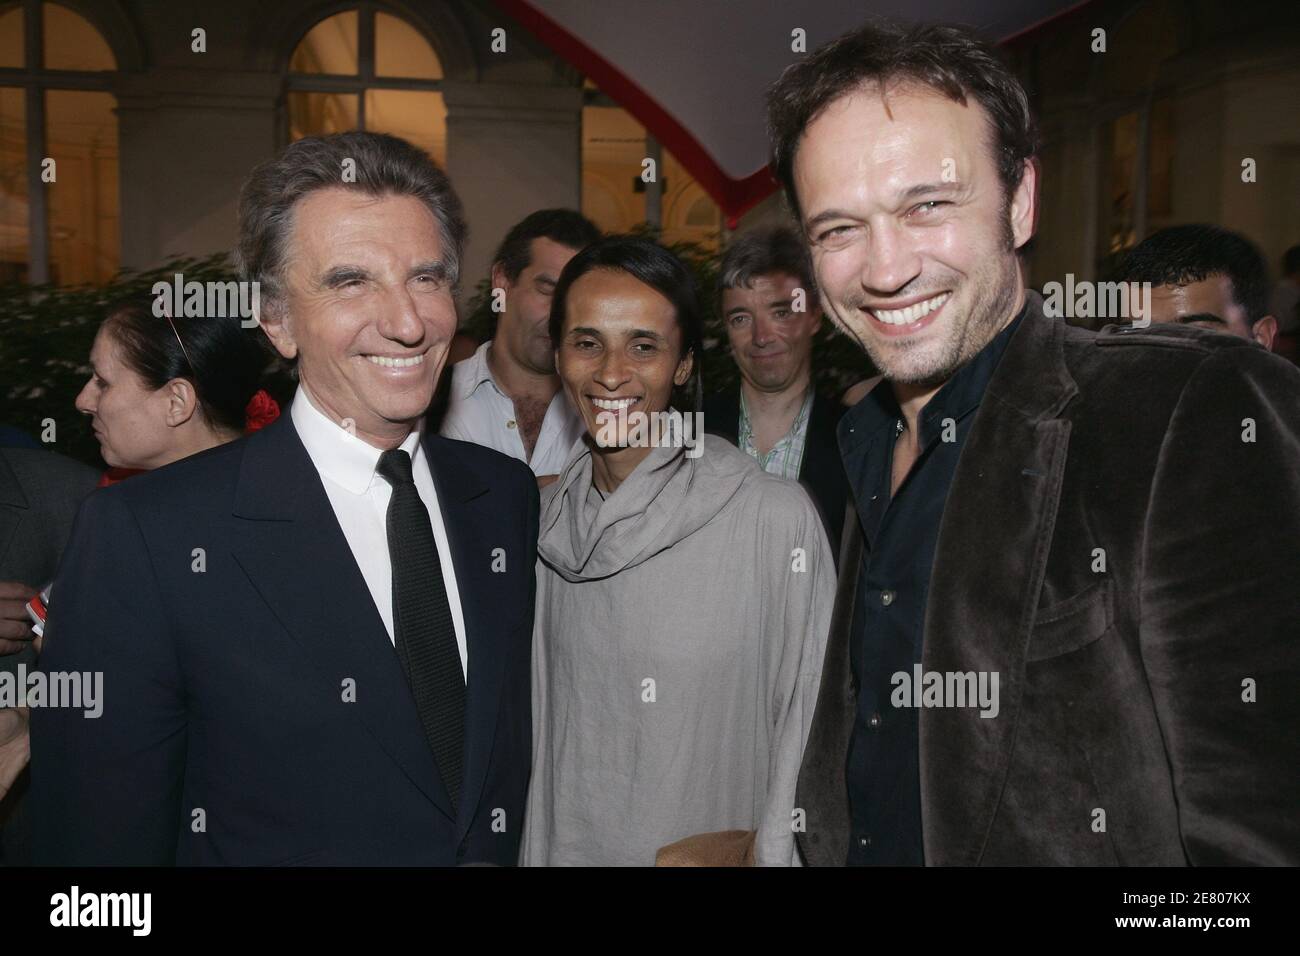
x=724 y=848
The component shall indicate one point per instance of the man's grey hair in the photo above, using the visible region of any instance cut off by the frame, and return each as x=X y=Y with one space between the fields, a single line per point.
x=765 y=252
x=374 y=164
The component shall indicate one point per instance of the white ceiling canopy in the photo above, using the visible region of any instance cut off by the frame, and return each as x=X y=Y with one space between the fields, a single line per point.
x=694 y=72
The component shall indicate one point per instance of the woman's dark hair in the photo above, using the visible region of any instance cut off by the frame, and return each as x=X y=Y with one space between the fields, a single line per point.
x=223 y=360
x=647 y=262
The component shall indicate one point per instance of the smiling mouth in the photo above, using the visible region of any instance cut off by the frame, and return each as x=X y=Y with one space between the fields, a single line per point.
x=910 y=314
x=613 y=404
x=390 y=361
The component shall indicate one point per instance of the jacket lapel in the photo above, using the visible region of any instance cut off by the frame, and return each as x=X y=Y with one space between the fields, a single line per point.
x=294 y=552
x=465 y=503
x=13 y=505
x=821 y=788
x=822 y=468
x=722 y=414
x=990 y=559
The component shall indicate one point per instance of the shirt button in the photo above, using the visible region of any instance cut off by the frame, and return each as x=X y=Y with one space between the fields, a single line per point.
x=510 y=424
x=874 y=722
x=864 y=842
x=886 y=598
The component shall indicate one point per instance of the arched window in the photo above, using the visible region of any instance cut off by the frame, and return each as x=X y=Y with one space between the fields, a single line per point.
x=1137 y=131
x=59 y=217
x=614 y=147
x=365 y=69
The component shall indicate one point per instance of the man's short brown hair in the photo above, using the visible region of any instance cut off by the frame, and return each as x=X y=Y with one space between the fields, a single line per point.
x=950 y=60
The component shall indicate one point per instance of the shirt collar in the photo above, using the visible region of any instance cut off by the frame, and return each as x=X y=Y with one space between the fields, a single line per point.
x=337 y=454
x=476 y=372
x=959 y=396
x=746 y=426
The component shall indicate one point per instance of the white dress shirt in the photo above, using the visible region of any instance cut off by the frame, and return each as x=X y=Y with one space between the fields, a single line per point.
x=359 y=496
x=479 y=411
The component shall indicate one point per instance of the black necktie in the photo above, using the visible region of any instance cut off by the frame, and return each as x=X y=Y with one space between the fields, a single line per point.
x=422 y=624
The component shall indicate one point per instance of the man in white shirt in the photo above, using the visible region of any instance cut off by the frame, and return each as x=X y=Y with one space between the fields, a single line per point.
x=315 y=642
x=507 y=395
x=360 y=497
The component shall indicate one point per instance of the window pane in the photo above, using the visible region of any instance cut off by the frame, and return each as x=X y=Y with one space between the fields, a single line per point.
x=71 y=43
x=401 y=51
x=420 y=118
x=13 y=186
x=11 y=37
x=329 y=47
x=1160 y=161
x=1123 y=163
x=81 y=136
x=613 y=145
x=314 y=114
x=689 y=214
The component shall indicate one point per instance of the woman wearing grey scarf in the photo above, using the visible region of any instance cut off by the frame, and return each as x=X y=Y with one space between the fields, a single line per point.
x=683 y=596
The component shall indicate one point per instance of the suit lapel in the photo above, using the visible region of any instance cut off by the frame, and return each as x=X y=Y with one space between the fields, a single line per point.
x=13 y=504
x=296 y=555
x=821 y=457
x=466 y=506
x=722 y=414
x=984 y=588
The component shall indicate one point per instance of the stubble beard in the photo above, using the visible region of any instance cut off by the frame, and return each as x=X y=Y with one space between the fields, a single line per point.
x=926 y=365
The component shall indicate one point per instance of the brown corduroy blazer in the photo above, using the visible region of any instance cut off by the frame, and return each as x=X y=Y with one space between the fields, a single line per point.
x=1121 y=543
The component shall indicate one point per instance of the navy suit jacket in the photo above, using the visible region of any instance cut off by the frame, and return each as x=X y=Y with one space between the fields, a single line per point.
x=254 y=709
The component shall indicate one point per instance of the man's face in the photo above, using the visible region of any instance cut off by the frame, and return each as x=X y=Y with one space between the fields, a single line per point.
x=912 y=238
x=772 y=343
x=368 y=309
x=524 y=327
x=1212 y=295
x=620 y=348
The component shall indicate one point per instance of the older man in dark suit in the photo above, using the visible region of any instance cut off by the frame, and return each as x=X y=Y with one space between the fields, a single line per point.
x=1066 y=622
x=315 y=642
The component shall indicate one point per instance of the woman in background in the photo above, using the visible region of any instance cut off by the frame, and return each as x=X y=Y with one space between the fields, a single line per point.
x=162 y=389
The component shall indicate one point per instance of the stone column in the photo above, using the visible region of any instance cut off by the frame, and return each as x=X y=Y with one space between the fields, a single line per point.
x=187 y=142
x=511 y=149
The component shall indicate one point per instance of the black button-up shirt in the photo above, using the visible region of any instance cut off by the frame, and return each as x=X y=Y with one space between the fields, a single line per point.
x=900 y=534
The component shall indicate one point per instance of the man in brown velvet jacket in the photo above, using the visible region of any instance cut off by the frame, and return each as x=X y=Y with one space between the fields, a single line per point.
x=1067 y=629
